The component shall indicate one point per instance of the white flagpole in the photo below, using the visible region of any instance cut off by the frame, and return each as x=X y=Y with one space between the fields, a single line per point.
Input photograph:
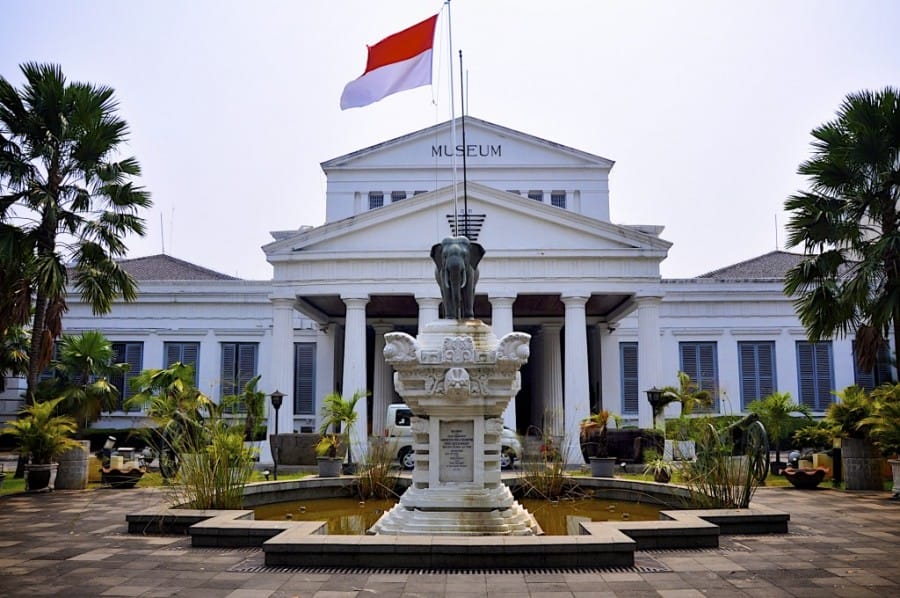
x=452 y=125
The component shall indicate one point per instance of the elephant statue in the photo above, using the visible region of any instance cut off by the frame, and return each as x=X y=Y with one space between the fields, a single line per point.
x=456 y=271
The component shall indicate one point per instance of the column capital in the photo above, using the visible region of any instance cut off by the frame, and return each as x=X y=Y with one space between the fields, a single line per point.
x=355 y=302
x=648 y=300
x=382 y=327
x=428 y=301
x=501 y=300
x=575 y=300
x=551 y=327
x=282 y=302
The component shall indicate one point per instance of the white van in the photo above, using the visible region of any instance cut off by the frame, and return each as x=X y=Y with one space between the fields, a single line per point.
x=399 y=438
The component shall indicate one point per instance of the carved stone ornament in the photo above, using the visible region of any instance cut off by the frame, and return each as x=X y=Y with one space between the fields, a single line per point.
x=456 y=382
x=493 y=425
x=514 y=347
x=459 y=349
x=399 y=347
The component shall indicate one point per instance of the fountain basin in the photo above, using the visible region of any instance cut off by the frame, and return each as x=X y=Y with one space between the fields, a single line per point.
x=605 y=544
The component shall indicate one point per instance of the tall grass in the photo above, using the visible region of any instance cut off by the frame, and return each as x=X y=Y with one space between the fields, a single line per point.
x=214 y=466
x=723 y=475
x=544 y=469
x=376 y=475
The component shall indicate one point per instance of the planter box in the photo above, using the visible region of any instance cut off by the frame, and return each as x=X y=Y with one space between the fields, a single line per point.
x=603 y=467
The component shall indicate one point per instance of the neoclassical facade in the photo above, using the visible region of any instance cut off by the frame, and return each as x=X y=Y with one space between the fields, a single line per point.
x=605 y=326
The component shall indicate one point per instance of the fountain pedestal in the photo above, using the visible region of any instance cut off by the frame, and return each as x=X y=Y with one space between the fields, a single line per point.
x=457 y=378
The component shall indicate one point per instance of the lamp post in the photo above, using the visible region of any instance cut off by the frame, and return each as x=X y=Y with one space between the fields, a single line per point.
x=277 y=398
x=654 y=396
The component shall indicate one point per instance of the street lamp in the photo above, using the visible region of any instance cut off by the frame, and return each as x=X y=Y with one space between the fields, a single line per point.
x=277 y=399
x=654 y=396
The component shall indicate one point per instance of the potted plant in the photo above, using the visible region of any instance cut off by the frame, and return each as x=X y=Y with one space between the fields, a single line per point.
x=884 y=425
x=593 y=437
x=690 y=397
x=660 y=468
x=40 y=436
x=776 y=414
x=338 y=418
x=330 y=457
x=847 y=418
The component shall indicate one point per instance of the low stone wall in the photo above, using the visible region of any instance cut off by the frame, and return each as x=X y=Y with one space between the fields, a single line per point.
x=298 y=448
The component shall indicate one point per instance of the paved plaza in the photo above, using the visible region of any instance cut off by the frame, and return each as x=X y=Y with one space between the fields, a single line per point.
x=74 y=543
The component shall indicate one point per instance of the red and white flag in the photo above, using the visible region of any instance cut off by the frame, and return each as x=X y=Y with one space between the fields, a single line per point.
x=399 y=62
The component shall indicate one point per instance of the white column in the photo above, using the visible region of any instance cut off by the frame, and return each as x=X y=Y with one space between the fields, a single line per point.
x=554 y=409
x=610 y=378
x=648 y=355
x=428 y=310
x=502 y=324
x=577 y=393
x=383 y=391
x=355 y=370
x=325 y=382
x=281 y=370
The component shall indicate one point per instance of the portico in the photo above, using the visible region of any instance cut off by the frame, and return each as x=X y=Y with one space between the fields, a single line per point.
x=558 y=296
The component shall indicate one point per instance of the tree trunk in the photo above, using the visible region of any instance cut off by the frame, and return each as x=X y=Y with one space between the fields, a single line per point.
x=34 y=359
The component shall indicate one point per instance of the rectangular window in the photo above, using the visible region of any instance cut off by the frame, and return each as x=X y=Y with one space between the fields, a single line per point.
x=536 y=195
x=558 y=199
x=628 y=370
x=304 y=378
x=816 y=375
x=398 y=196
x=131 y=353
x=757 y=363
x=699 y=360
x=238 y=367
x=186 y=353
x=376 y=199
x=879 y=375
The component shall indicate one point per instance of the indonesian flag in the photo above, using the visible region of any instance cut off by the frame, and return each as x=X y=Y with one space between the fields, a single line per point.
x=399 y=62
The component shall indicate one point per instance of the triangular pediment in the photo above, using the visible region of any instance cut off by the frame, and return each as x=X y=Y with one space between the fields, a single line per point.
x=508 y=223
x=487 y=145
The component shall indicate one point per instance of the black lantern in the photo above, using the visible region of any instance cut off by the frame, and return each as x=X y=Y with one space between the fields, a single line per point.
x=277 y=399
x=654 y=396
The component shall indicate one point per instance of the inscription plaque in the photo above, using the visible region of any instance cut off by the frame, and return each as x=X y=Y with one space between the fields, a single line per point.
x=457 y=451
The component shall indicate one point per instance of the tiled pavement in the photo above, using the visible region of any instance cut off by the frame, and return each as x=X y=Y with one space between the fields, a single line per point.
x=74 y=543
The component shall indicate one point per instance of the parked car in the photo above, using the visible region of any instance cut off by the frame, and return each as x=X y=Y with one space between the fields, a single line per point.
x=399 y=438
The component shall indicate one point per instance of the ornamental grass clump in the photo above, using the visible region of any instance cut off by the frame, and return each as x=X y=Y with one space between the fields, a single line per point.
x=544 y=471
x=376 y=475
x=722 y=476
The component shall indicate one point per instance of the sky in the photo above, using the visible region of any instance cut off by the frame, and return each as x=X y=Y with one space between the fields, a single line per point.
x=706 y=107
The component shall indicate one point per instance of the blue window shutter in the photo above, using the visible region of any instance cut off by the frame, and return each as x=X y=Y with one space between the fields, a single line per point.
x=229 y=369
x=815 y=373
x=824 y=375
x=628 y=360
x=304 y=378
x=757 y=365
x=186 y=353
x=699 y=361
x=131 y=353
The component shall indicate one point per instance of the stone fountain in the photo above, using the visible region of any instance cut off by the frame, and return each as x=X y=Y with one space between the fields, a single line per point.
x=457 y=378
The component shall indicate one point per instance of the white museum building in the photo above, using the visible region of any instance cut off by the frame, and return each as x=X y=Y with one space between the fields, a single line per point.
x=605 y=326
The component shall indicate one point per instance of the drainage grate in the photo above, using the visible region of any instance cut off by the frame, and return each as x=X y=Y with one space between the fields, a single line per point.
x=643 y=563
x=729 y=545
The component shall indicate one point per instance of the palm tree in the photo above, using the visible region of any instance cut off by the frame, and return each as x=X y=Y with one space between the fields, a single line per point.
x=340 y=415
x=66 y=204
x=849 y=226
x=14 y=344
x=84 y=368
x=176 y=406
x=776 y=413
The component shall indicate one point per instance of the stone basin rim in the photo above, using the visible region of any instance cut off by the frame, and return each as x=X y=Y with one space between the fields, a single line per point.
x=602 y=544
